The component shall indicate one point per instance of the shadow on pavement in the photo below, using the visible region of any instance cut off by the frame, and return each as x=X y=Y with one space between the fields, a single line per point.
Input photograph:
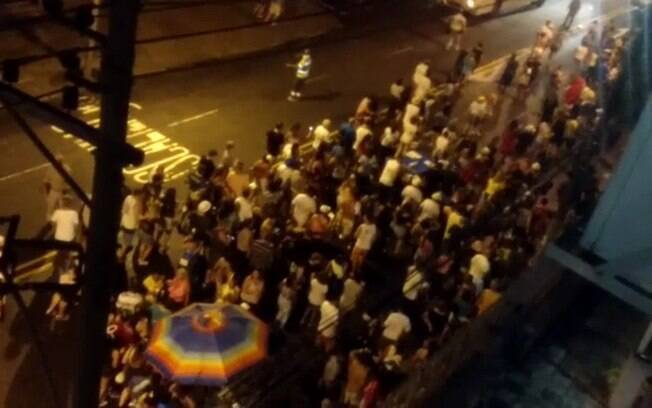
x=327 y=96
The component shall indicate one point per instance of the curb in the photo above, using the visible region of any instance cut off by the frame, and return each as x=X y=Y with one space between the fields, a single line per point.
x=291 y=45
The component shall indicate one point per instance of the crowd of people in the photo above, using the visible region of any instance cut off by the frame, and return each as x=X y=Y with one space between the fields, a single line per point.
x=411 y=192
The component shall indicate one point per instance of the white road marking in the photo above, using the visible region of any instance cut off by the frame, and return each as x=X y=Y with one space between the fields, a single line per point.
x=400 y=51
x=22 y=173
x=190 y=119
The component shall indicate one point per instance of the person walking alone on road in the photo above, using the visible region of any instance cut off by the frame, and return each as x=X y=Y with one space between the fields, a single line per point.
x=573 y=9
x=456 y=28
x=303 y=72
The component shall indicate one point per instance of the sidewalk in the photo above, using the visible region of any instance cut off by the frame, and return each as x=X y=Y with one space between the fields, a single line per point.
x=169 y=38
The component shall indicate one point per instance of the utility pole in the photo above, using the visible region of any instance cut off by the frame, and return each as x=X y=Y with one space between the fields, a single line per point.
x=90 y=66
x=101 y=263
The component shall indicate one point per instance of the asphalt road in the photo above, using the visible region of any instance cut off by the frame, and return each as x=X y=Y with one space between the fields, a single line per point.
x=179 y=115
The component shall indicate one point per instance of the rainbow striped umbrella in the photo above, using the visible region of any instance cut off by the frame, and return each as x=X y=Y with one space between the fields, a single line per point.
x=206 y=344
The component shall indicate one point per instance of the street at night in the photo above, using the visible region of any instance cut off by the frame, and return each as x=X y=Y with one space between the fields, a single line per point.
x=187 y=101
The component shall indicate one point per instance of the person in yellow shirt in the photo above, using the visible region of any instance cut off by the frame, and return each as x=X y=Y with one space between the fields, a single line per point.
x=153 y=284
x=495 y=185
x=453 y=219
x=488 y=297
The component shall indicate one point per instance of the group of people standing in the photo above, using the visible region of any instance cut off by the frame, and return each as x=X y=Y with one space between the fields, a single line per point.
x=398 y=227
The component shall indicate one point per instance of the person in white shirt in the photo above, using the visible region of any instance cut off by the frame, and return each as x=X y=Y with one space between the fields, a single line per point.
x=243 y=206
x=429 y=208
x=422 y=83
x=316 y=296
x=396 y=89
x=411 y=192
x=395 y=326
x=407 y=137
x=412 y=110
x=389 y=139
x=322 y=134
x=329 y=316
x=365 y=236
x=413 y=283
x=479 y=267
x=65 y=221
x=390 y=172
x=361 y=134
x=132 y=210
x=441 y=145
x=350 y=293
x=303 y=206
x=456 y=28
x=479 y=110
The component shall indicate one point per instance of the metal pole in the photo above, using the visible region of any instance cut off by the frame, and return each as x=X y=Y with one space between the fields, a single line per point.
x=101 y=263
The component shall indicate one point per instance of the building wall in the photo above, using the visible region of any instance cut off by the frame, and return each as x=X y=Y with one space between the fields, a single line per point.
x=622 y=221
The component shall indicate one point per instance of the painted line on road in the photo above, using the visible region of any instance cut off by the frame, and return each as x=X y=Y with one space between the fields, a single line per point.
x=22 y=173
x=192 y=118
x=159 y=149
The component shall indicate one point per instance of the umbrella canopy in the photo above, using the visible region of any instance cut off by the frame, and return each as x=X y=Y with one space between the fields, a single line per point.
x=206 y=344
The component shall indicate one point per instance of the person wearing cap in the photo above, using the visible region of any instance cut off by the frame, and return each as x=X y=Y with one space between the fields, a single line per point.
x=303 y=68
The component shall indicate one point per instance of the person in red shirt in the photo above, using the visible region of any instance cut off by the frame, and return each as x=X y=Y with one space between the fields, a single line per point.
x=574 y=90
x=508 y=140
